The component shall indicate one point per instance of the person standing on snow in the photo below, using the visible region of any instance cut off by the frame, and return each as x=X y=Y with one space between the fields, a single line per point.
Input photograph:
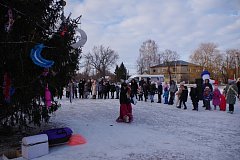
x=179 y=92
x=231 y=94
x=125 y=104
x=152 y=91
x=134 y=88
x=81 y=88
x=223 y=102
x=216 y=96
x=117 y=90
x=140 y=93
x=194 y=97
x=183 y=97
x=206 y=84
x=207 y=97
x=172 y=90
x=159 y=91
x=166 y=94
x=94 y=89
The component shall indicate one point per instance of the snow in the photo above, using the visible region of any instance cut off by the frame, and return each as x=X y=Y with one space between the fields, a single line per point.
x=158 y=131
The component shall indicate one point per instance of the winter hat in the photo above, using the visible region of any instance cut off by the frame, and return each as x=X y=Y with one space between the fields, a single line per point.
x=231 y=81
x=205 y=75
x=216 y=83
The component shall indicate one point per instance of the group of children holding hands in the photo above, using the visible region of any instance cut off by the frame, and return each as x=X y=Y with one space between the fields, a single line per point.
x=208 y=94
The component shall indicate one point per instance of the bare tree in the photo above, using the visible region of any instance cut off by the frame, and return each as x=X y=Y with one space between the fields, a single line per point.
x=205 y=55
x=148 y=56
x=230 y=66
x=220 y=65
x=86 y=68
x=102 y=59
x=168 y=57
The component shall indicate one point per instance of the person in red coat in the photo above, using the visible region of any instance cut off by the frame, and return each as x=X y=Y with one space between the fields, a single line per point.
x=125 y=104
x=223 y=102
x=216 y=95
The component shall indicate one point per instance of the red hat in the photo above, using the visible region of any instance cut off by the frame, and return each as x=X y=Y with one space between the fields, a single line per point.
x=216 y=82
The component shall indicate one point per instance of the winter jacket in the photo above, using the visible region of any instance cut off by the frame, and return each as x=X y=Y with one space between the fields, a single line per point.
x=184 y=94
x=173 y=87
x=194 y=94
x=113 y=88
x=207 y=94
x=231 y=93
x=216 y=97
x=125 y=95
x=134 y=86
x=81 y=86
x=166 y=92
x=207 y=85
x=94 y=88
x=152 y=89
x=159 y=89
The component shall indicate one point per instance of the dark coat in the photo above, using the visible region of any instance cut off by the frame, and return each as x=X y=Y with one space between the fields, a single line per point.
x=160 y=89
x=81 y=86
x=152 y=89
x=209 y=85
x=184 y=94
x=231 y=93
x=113 y=88
x=194 y=94
x=124 y=95
x=134 y=87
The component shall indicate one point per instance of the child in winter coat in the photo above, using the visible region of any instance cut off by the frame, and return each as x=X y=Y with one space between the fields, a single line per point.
x=183 y=97
x=166 y=95
x=179 y=92
x=140 y=93
x=223 y=102
x=216 y=96
x=194 y=97
x=207 y=96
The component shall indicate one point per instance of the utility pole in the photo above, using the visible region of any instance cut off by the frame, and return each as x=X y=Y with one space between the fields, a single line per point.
x=236 y=60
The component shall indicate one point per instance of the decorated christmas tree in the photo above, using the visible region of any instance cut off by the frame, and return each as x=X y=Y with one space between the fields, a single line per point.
x=36 y=59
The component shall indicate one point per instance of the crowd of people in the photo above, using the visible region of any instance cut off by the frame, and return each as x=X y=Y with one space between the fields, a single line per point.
x=145 y=89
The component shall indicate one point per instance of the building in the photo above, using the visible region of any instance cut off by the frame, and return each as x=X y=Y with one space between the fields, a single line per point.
x=180 y=71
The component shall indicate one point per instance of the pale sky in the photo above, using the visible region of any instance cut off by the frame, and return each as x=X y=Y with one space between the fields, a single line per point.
x=179 y=25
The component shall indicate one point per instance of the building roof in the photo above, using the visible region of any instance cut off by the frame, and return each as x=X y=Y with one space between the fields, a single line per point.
x=173 y=63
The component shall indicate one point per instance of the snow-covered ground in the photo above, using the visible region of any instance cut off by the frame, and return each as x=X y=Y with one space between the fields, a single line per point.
x=158 y=131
